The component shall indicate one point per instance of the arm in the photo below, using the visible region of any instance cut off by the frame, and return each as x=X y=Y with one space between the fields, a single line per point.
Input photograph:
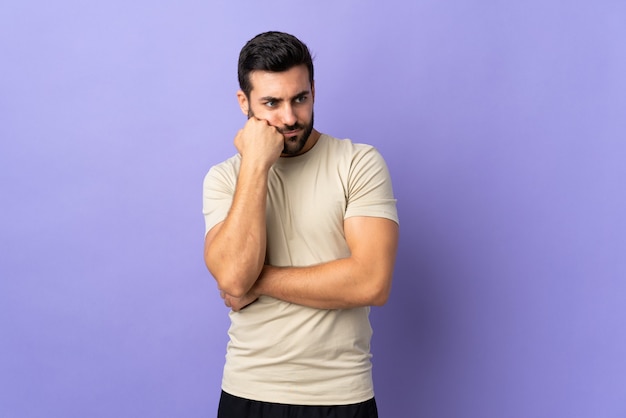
x=362 y=279
x=234 y=249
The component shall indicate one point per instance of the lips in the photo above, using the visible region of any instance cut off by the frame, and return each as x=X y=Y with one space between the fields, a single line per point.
x=292 y=133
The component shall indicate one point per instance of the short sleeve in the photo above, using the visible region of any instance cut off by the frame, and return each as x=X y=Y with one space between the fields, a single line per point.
x=217 y=193
x=370 y=192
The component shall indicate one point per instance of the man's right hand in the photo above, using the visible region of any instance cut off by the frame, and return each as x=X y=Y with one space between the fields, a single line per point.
x=259 y=142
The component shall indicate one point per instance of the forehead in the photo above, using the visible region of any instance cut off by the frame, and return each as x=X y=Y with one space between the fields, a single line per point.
x=280 y=85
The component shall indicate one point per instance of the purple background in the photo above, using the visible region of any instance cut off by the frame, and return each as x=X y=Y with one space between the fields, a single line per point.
x=504 y=126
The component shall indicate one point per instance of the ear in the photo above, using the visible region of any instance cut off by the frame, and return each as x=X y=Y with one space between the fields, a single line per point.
x=244 y=104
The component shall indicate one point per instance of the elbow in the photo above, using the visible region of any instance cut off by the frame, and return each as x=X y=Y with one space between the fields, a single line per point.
x=379 y=291
x=232 y=283
x=232 y=289
x=380 y=298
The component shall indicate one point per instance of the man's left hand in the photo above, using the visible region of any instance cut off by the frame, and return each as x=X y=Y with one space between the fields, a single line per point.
x=237 y=304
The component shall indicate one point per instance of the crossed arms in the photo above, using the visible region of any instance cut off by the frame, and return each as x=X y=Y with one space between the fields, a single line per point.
x=235 y=252
x=362 y=279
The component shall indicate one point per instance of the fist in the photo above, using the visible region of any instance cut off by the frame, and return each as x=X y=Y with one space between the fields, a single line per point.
x=260 y=142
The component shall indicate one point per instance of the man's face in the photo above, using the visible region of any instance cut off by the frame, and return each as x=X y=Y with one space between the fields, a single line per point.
x=285 y=101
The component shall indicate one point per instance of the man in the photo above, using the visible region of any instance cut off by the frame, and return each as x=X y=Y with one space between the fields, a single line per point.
x=301 y=238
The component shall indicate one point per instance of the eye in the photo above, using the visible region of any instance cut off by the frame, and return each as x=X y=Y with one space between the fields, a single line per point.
x=270 y=103
x=300 y=99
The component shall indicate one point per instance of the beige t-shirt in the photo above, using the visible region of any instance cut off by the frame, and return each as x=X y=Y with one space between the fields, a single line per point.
x=287 y=353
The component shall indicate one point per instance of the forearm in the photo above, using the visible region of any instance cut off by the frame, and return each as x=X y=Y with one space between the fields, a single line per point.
x=340 y=284
x=236 y=252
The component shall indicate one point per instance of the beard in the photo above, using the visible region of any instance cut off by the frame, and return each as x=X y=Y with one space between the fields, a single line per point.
x=293 y=144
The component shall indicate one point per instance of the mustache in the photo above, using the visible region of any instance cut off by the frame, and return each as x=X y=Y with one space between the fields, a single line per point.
x=288 y=128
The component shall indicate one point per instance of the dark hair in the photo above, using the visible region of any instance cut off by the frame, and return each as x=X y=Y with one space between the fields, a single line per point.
x=271 y=51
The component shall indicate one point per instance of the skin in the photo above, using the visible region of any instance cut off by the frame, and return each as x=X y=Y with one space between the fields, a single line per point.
x=235 y=248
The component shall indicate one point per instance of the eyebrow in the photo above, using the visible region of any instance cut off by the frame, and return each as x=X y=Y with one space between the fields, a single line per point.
x=276 y=99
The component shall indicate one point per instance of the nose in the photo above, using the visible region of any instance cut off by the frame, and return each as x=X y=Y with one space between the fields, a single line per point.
x=288 y=115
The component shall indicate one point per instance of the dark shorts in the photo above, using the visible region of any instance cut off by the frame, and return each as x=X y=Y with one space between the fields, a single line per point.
x=235 y=407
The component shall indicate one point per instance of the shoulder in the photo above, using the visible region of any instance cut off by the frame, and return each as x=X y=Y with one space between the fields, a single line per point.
x=355 y=157
x=226 y=171
x=345 y=147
